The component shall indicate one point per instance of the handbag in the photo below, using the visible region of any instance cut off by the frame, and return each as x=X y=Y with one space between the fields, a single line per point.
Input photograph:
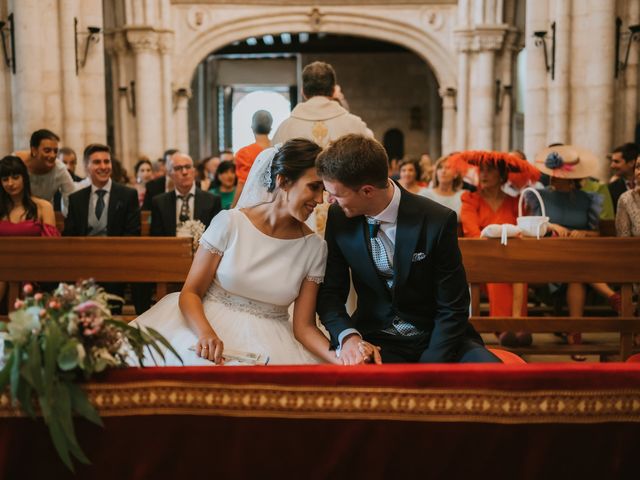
x=532 y=225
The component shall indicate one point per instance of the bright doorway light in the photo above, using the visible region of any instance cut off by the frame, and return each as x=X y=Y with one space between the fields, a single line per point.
x=273 y=102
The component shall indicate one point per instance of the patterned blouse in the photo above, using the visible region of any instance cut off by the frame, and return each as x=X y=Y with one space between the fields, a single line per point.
x=628 y=215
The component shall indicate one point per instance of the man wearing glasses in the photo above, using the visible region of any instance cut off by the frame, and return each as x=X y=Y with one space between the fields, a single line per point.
x=187 y=202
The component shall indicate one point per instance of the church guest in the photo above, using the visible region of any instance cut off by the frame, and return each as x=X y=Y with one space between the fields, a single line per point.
x=261 y=126
x=103 y=209
x=447 y=186
x=144 y=173
x=491 y=205
x=410 y=174
x=48 y=174
x=224 y=183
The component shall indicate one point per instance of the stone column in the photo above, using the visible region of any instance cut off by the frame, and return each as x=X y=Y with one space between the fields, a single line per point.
x=72 y=101
x=487 y=41
x=558 y=108
x=535 y=95
x=505 y=95
x=448 y=120
x=166 y=50
x=148 y=87
x=125 y=125
x=600 y=81
x=462 y=96
x=182 y=119
x=630 y=82
x=28 y=102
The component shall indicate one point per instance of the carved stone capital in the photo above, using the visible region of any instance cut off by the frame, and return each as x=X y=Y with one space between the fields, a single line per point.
x=166 y=42
x=463 y=40
x=488 y=39
x=142 y=40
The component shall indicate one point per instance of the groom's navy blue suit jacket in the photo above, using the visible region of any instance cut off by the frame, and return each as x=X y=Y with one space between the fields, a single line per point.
x=430 y=286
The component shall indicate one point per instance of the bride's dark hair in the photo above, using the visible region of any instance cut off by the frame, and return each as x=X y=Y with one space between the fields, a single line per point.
x=293 y=158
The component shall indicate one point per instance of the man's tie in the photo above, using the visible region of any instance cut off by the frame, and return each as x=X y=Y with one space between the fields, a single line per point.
x=185 y=213
x=378 y=252
x=100 y=203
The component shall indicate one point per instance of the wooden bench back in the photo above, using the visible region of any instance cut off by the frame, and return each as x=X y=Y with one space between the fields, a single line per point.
x=145 y=222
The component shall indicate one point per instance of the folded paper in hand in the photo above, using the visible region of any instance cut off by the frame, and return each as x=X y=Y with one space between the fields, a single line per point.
x=236 y=357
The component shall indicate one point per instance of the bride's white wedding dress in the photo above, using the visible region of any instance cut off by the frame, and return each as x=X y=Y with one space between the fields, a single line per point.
x=247 y=304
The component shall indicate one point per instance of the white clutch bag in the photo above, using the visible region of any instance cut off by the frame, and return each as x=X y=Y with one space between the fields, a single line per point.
x=502 y=232
x=533 y=225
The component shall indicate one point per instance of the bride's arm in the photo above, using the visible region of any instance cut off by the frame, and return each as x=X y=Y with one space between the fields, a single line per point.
x=201 y=275
x=304 y=323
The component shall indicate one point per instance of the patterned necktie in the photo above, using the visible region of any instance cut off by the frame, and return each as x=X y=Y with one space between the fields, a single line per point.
x=100 y=203
x=185 y=213
x=379 y=253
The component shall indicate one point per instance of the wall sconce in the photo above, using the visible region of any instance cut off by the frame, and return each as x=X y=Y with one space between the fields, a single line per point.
x=130 y=94
x=501 y=91
x=9 y=60
x=633 y=35
x=92 y=36
x=541 y=41
x=452 y=92
x=178 y=94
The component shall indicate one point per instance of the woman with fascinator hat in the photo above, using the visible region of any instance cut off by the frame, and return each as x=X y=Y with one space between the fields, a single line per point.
x=572 y=212
x=253 y=262
x=491 y=205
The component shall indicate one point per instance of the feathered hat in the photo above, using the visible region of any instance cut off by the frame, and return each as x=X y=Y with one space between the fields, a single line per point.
x=519 y=171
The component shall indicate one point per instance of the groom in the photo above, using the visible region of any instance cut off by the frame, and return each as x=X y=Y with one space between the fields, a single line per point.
x=403 y=255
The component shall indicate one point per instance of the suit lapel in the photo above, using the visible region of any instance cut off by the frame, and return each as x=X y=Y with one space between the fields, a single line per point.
x=199 y=210
x=113 y=208
x=171 y=210
x=407 y=234
x=83 y=210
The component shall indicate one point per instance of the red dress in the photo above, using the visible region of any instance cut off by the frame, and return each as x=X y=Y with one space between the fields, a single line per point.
x=28 y=228
x=475 y=215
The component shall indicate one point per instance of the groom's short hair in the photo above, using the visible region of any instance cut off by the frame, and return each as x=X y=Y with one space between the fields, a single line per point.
x=354 y=160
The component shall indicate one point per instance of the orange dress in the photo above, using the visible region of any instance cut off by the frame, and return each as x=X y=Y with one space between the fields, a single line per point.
x=244 y=160
x=476 y=214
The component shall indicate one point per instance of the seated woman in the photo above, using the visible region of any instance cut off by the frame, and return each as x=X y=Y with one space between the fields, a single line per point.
x=490 y=205
x=144 y=173
x=253 y=262
x=224 y=183
x=447 y=186
x=628 y=215
x=572 y=212
x=410 y=174
x=22 y=214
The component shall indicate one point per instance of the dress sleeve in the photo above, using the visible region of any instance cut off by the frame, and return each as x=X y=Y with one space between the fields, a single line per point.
x=318 y=263
x=623 y=220
x=216 y=237
x=243 y=165
x=595 y=207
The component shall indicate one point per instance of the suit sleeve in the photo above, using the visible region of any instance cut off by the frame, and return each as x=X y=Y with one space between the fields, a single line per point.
x=452 y=296
x=132 y=224
x=156 y=219
x=69 y=221
x=333 y=293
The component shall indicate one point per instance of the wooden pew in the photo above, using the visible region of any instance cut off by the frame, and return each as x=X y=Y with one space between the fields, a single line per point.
x=145 y=222
x=586 y=260
x=159 y=260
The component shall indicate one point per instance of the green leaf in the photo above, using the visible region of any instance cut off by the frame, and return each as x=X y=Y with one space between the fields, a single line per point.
x=5 y=373
x=60 y=442
x=15 y=372
x=33 y=367
x=81 y=404
x=64 y=415
x=25 y=398
x=68 y=356
x=52 y=344
x=155 y=334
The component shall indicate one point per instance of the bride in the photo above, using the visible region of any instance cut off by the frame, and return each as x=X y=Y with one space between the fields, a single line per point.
x=252 y=263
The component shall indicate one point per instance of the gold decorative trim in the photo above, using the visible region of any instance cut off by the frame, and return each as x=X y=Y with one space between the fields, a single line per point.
x=359 y=403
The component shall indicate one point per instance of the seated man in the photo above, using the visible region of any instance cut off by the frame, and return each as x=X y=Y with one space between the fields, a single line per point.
x=104 y=208
x=401 y=250
x=186 y=202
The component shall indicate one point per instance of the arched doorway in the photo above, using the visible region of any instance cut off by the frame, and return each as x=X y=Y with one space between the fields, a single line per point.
x=404 y=88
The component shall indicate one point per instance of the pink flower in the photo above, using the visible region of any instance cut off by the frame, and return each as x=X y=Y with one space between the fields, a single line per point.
x=87 y=306
x=37 y=297
x=27 y=289
x=42 y=313
x=18 y=304
x=53 y=304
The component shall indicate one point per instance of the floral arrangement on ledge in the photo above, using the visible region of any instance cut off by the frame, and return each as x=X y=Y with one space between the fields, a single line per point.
x=193 y=229
x=53 y=341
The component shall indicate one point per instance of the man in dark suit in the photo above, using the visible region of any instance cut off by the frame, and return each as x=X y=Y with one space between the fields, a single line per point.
x=104 y=208
x=623 y=163
x=403 y=255
x=186 y=202
x=158 y=185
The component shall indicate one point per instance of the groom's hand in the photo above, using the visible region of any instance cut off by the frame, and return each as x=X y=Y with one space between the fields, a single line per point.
x=355 y=351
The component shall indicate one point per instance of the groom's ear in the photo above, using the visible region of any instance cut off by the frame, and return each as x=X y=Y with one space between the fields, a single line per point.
x=367 y=190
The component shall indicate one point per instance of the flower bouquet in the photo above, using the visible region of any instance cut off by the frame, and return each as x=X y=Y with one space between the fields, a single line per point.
x=193 y=229
x=53 y=341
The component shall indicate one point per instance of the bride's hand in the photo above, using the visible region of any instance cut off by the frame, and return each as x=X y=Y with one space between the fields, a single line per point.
x=211 y=348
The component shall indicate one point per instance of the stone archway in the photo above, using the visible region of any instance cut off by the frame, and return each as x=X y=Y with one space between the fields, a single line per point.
x=427 y=43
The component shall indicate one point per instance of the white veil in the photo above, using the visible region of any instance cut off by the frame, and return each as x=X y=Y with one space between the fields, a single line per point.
x=255 y=189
